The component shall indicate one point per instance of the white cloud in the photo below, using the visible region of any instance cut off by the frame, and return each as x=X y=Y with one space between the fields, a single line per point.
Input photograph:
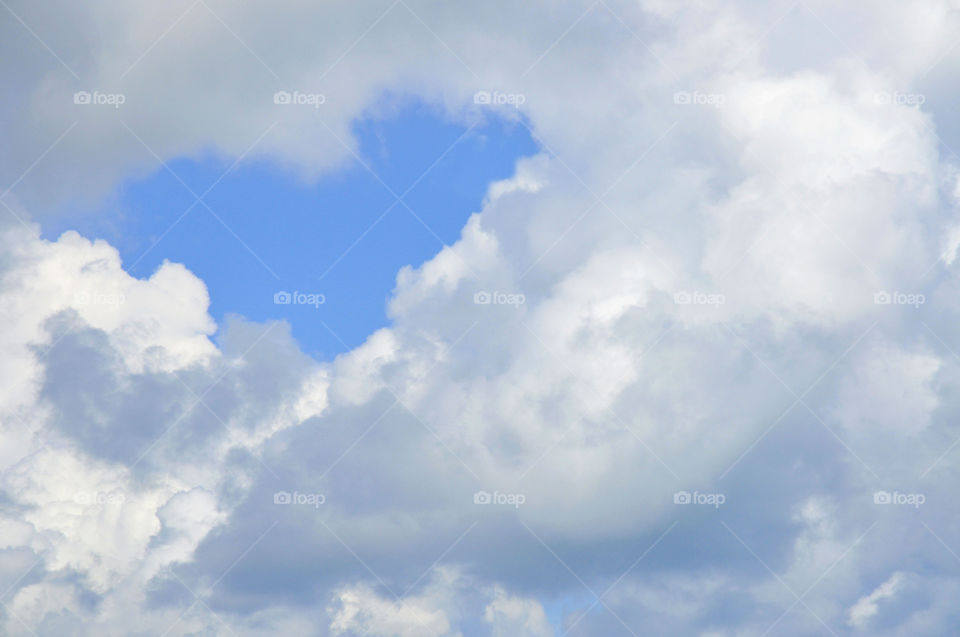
x=866 y=607
x=361 y=609
x=599 y=396
x=516 y=617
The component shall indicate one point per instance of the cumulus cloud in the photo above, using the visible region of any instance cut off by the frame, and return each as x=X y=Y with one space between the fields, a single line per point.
x=727 y=272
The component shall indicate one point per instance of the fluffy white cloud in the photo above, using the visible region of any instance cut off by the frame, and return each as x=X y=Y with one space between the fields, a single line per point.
x=443 y=603
x=688 y=268
x=516 y=616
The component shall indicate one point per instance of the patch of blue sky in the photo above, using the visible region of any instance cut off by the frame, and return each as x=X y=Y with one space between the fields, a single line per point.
x=267 y=231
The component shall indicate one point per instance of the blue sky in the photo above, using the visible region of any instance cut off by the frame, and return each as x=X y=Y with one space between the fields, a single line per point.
x=312 y=237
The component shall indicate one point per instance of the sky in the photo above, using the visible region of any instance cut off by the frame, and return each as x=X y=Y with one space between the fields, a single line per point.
x=340 y=238
x=410 y=318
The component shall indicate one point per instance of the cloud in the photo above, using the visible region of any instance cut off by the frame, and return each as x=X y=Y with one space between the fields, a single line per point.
x=437 y=610
x=361 y=610
x=866 y=607
x=514 y=616
x=679 y=293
